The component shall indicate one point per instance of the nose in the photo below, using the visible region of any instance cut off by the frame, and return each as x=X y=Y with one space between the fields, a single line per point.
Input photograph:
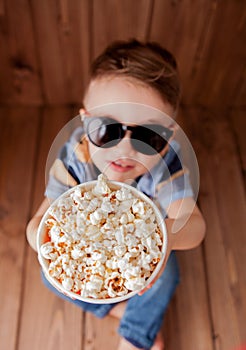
x=124 y=147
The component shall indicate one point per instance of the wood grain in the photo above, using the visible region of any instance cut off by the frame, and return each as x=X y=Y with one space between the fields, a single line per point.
x=223 y=60
x=187 y=323
x=19 y=64
x=74 y=37
x=181 y=27
x=100 y=333
x=47 y=321
x=19 y=128
x=47 y=46
x=239 y=96
x=119 y=20
x=238 y=126
x=62 y=35
x=222 y=200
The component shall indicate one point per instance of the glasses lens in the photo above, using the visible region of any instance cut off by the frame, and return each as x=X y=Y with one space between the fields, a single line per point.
x=150 y=139
x=104 y=132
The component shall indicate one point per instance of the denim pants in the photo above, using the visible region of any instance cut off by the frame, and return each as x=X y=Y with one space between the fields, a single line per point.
x=143 y=315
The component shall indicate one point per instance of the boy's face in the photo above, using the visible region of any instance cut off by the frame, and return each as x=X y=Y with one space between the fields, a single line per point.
x=122 y=162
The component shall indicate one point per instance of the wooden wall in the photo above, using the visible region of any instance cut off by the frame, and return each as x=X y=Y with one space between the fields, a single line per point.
x=47 y=45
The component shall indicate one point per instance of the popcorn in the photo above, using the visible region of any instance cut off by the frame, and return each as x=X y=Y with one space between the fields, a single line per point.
x=67 y=283
x=77 y=253
x=119 y=235
x=103 y=242
x=120 y=250
x=46 y=250
x=138 y=207
x=101 y=186
x=95 y=284
x=135 y=283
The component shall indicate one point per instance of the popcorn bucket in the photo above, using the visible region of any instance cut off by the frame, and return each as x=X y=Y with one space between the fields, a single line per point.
x=101 y=242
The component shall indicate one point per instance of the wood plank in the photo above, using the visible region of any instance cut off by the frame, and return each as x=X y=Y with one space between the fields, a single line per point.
x=100 y=333
x=238 y=123
x=171 y=328
x=187 y=323
x=232 y=209
x=75 y=40
x=223 y=58
x=50 y=53
x=19 y=127
x=119 y=20
x=20 y=80
x=239 y=98
x=181 y=27
x=223 y=203
x=47 y=321
x=64 y=55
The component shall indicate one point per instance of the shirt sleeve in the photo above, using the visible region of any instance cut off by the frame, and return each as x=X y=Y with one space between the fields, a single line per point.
x=55 y=188
x=175 y=183
x=175 y=188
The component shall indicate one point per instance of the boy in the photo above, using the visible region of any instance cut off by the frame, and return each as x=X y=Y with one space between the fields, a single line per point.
x=133 y=92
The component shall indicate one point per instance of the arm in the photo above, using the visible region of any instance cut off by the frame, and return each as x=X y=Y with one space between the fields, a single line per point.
x=185 y=224
x=32 y=227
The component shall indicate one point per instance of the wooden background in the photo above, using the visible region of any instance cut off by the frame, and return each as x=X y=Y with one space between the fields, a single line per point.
x=46 y=47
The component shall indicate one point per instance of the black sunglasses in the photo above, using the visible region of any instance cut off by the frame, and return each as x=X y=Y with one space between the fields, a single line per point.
x=106 y=132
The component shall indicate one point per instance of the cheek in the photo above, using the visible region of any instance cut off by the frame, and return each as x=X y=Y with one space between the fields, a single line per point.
x=97 y=154
x=148 y=162
x=94 y=151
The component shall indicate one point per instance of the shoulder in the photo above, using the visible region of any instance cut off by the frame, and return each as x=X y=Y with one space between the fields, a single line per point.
x=75 y=148
x=71 y=166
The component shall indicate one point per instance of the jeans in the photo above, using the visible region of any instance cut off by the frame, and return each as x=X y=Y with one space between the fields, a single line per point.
x=144 y=314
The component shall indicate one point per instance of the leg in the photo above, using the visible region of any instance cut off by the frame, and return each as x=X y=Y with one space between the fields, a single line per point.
x=143 y=316
x=118 y=312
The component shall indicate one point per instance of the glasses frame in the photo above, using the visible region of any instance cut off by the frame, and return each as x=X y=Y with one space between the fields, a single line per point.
x=166 y=133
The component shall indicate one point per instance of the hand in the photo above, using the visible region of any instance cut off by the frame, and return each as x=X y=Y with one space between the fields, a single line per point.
x=32 y=227
x=31 y=231
x=170 y=239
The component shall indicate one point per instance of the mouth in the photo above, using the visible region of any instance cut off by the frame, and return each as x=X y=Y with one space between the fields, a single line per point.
x=121 y=165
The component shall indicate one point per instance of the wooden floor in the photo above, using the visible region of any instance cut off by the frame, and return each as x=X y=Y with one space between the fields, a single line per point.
x=208 y=311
